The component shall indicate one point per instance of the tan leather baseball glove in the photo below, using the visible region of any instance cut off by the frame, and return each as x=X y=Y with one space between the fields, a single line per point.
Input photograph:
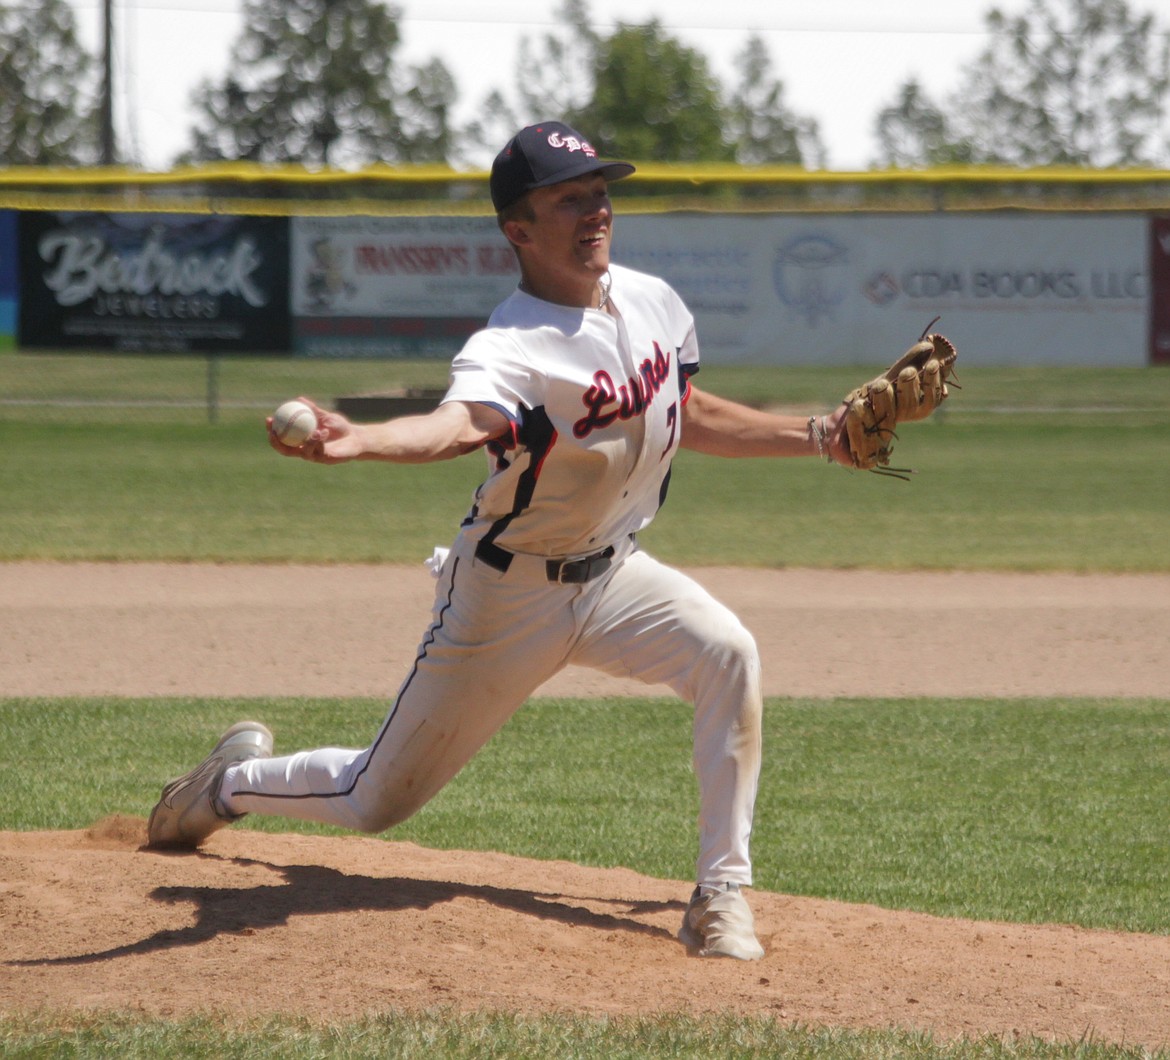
x=911 y=389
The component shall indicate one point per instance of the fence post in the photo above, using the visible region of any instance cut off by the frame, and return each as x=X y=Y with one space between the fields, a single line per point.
x=212 y=389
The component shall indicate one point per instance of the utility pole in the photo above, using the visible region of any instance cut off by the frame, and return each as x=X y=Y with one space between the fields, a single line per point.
x=109 y=151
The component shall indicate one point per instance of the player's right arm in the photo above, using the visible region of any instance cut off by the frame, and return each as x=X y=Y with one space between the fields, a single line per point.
x=452 y=429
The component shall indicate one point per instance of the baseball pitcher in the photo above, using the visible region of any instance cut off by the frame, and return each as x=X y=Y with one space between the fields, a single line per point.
x=580 y=390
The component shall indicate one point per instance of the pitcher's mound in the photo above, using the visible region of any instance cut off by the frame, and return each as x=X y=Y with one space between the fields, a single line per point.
x=331 y=928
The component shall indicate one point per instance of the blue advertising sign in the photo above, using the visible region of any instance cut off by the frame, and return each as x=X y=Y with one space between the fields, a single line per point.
x=154 y=283
x=8 y=278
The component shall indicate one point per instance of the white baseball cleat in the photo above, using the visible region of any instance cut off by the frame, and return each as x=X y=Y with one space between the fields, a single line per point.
x=719 y=923
x=188 y=812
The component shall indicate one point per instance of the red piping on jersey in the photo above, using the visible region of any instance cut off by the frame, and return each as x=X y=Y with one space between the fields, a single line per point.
x=544 y=456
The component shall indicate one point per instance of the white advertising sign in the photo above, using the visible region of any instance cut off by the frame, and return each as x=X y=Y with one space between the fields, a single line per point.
x=796 y=289
x=854 y=289
x=395 y=285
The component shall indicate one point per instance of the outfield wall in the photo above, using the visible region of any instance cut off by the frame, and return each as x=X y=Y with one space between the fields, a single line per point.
x=1011 y=287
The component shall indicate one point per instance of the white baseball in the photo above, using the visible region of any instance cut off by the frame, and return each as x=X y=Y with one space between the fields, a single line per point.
x=293 y=422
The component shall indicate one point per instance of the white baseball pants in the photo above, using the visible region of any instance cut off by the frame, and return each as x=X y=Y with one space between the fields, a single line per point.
x=494 y=639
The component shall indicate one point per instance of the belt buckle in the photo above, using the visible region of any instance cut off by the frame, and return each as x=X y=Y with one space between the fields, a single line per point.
x=573 y=572
x=580 y=571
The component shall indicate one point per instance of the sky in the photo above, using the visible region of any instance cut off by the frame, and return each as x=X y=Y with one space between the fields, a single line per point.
x=840 y=60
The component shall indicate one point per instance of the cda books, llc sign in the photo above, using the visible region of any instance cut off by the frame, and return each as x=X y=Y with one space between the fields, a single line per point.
x=154 y=283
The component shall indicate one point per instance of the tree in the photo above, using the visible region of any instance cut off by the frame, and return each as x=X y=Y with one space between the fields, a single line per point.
x=553 y=80
x=480 y=139
x=426 y=114
x=638 y=93
x=641 y=93
x=313 y=81
x=759 y=124
x=1068 y=82
x=557 y=79
x=48 y=113
x=654 y=98
x=914 y=131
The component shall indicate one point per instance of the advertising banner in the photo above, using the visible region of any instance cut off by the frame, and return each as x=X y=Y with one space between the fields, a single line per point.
x=395 y=286
x=8 y=279
x=826 y=288
x=154 y=283
x=853 y=289
x=1160 y=290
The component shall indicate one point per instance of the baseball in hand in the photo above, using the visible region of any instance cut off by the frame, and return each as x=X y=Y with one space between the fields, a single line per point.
x=293 y=422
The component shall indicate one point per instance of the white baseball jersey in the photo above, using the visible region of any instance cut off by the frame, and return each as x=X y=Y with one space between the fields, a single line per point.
x=595 y=402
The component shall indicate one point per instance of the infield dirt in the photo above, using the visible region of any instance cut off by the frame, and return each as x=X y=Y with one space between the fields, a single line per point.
x=337 y=927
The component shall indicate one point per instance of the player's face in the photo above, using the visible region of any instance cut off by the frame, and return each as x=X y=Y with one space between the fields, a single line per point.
x=565 y=249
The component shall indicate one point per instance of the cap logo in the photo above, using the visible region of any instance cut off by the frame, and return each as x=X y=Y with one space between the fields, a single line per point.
x=571 y=143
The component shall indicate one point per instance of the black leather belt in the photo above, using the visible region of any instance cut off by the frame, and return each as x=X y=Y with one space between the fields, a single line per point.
x=577 y=571
x=561 y=571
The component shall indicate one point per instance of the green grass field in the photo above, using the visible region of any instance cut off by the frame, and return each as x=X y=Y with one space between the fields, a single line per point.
x=1054 y=470
x=1035 y=811
x=502 y=1036
x=1029 y=810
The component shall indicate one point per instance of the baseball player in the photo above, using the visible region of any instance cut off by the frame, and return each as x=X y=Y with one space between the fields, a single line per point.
x=580 y=392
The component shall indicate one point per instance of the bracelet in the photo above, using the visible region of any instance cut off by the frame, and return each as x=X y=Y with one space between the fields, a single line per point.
x=820 y=435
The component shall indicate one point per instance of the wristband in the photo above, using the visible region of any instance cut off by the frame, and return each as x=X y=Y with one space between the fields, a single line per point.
x=820 y=435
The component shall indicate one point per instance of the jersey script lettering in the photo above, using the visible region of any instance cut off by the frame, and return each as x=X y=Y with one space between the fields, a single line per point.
x=607 y=402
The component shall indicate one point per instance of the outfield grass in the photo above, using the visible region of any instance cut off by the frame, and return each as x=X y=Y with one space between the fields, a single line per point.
x=104 y=387
x=1001 y=486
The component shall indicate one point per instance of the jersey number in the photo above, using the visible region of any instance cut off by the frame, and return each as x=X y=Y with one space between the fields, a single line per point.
x=672 y=419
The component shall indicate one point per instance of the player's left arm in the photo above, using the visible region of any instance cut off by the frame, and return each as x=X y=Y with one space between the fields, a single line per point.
x=720 y=427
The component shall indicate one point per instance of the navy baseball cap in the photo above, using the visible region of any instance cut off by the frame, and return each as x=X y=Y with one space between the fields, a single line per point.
x=546 y=154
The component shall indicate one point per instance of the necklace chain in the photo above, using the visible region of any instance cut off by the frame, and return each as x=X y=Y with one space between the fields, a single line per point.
x=603 y=283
